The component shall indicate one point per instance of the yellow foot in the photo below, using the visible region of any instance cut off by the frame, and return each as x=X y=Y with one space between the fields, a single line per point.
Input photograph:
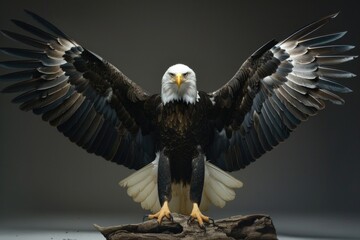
x=164 y=212
x=196 y=214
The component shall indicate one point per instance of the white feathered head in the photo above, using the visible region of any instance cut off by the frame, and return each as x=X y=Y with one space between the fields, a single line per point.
x=179 y=83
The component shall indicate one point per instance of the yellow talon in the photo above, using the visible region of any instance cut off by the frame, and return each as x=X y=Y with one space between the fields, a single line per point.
x=196 y=214
x=164 y=212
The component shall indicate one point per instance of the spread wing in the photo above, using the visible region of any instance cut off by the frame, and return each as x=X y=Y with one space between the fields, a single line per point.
x=277 y=88
x=86 y=98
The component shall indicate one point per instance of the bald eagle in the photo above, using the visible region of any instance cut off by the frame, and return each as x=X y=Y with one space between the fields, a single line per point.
x=181 y=141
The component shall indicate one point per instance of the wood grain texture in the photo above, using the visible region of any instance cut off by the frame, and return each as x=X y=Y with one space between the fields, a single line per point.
x=250 y=227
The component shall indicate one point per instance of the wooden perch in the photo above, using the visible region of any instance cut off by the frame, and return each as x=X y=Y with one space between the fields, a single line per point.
x=250 y=227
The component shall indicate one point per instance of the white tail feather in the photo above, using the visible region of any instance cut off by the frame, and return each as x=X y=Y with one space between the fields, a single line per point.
x=142 y=186
x=205 y=202
x=143 y=195
x=218 y=189
x=222 y=176
x=137 y=188
x=149 y=202
x=137 y=176
x=218 y=186
x=180 y=199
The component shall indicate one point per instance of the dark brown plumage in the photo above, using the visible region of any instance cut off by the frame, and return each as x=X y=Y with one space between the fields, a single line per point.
x=183 y=127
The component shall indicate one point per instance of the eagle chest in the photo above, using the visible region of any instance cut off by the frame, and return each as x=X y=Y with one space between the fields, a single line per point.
x=179 y=118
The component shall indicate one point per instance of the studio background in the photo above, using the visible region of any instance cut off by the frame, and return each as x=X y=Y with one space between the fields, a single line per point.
x=313 y=173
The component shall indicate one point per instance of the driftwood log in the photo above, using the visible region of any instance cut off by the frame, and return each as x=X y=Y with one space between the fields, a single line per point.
x=250 y=227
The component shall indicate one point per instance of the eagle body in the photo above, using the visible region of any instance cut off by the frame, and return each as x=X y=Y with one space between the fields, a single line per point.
x=184 y=128
x=182 y=141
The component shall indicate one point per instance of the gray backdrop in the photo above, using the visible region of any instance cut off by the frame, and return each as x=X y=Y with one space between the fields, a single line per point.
x=315 y=171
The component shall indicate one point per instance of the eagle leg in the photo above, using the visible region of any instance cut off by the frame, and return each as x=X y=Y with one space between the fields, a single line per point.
x=196 y=189
x=164 y=189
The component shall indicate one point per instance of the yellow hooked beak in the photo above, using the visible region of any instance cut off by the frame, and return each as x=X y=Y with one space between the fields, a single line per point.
x=179 y=78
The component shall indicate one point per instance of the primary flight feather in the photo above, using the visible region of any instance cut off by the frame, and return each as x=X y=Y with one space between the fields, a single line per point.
x=182 y=140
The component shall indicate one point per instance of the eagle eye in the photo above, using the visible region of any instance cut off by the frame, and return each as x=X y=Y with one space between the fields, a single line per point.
x=186 y=74
x=171 y=74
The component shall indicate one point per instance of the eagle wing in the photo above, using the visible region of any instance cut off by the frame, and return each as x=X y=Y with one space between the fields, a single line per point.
x=86 y=98
x=277 y=88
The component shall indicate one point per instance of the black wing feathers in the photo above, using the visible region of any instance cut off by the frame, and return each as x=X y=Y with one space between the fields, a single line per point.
x=276 y=89
x=86 y=98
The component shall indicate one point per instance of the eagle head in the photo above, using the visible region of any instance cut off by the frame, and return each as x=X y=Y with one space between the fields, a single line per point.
x=179 y=84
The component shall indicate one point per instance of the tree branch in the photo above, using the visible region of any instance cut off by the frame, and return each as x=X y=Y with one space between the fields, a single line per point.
x=250 y=227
